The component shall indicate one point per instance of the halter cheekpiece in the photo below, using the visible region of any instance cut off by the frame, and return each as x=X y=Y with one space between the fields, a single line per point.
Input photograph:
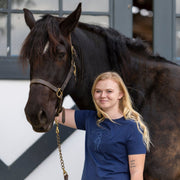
x=59 y=91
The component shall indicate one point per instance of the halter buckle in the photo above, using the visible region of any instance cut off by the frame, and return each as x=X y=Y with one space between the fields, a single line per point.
x=74 y=66
x=72 y=50
x=59 y=93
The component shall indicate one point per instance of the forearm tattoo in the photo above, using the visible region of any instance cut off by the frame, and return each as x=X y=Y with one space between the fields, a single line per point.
x=132 y=163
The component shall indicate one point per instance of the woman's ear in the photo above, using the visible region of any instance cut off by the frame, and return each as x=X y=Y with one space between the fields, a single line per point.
x=120 y=95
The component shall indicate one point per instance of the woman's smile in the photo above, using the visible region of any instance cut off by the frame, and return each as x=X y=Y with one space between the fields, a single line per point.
x=102 y=101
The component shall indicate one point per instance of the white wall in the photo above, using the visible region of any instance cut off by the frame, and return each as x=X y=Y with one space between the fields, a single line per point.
x=16 y=135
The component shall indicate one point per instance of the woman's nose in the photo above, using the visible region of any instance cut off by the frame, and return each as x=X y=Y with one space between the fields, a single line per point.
x=103 y=94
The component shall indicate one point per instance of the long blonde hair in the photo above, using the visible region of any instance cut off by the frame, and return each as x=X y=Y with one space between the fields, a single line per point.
x=125 y=105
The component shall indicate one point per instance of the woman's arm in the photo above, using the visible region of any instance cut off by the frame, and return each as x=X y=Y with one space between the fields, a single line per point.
x=69 y=118
x=136 y=166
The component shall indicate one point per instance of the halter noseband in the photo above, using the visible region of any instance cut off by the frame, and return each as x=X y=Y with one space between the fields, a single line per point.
x=59 y=91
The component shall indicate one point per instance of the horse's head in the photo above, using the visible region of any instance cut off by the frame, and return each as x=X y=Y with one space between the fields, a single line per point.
x=48 y=49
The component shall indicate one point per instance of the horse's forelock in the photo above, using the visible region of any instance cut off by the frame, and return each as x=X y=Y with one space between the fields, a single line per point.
x=35 y=44
x=53 y=41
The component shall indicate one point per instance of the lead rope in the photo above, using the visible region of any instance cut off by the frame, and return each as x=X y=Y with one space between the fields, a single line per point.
x=63 y=119
x=60 y=152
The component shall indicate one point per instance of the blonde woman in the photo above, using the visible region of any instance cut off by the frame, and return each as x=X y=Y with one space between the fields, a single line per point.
x=116 y=136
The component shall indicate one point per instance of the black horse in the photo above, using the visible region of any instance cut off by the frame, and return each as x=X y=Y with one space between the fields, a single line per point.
x=153 y=82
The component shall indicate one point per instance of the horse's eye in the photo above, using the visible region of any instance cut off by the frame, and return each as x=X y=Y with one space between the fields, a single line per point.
x=62 y=54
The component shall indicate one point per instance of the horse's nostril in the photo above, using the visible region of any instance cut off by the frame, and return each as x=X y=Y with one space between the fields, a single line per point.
x=41 y=115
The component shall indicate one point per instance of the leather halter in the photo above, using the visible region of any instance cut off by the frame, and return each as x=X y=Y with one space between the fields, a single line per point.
x=59 y=91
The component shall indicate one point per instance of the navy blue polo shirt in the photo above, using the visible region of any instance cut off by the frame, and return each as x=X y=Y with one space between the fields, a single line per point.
x=107 y=147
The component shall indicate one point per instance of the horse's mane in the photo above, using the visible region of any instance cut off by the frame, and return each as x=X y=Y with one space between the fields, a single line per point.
x=114 y=37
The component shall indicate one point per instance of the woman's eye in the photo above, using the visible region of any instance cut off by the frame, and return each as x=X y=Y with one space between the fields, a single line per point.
x=97 y=91
x=109 y=91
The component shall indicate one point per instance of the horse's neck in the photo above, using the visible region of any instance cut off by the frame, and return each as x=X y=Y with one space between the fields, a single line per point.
x=92 y=59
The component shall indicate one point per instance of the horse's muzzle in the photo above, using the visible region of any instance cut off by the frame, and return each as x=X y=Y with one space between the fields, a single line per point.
x=42 y=128
x=39 y=122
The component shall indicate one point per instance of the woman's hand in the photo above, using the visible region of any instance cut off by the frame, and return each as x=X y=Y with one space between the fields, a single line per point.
x=69 y=118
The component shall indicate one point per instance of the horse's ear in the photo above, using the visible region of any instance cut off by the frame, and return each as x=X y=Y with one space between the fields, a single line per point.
x=70 y=22
x=29 y=18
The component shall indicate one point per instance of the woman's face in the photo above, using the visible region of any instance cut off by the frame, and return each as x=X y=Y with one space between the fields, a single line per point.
x=107 y=94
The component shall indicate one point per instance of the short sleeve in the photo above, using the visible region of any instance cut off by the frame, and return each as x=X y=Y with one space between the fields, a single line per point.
x=81 y=117
x=135 y=144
